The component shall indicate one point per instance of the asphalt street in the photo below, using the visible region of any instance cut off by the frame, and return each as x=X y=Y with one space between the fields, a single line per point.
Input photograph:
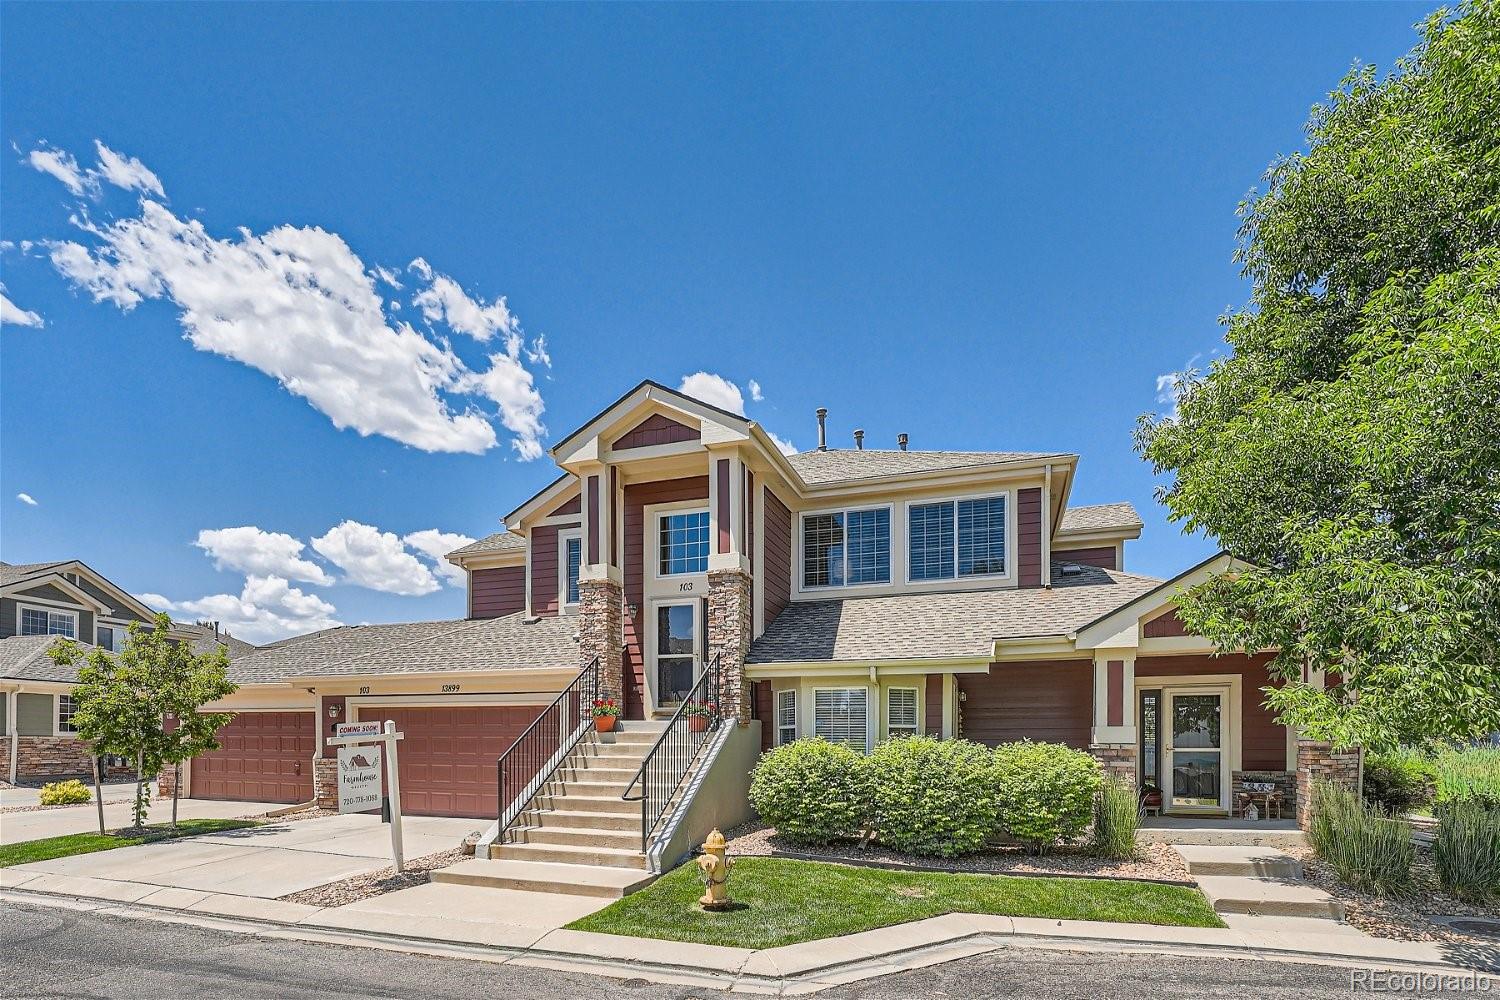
x=47 y=952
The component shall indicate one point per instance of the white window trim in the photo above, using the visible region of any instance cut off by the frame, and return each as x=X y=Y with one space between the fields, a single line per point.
x=563 y=537
x=844 y=688
x=653 y=529
x=916 y=697
x=1010 y=538
x=57 y=729
x=779 y=719
x=49 y=610
x=113 y=624
x=799 y=569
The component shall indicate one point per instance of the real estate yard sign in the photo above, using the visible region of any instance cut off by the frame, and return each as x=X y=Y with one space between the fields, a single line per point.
x=359 y=778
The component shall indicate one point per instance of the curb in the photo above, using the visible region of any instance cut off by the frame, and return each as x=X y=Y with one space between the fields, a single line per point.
x=809 y=979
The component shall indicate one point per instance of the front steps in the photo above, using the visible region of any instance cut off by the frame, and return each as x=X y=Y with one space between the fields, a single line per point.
x=1257 y=881
x=578 y=836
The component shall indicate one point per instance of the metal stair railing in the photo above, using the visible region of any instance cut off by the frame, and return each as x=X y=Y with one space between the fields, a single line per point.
x=666 y=764
x=530 y=762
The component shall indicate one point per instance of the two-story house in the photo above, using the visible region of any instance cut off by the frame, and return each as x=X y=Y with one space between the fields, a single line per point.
x=847 y=593
x=40 y=602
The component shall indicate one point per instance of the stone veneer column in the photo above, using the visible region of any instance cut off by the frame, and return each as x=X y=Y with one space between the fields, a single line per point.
x=729 y=631
x=326 y=780
x=601 y=633
x=1320 y=762
x=1117 y=760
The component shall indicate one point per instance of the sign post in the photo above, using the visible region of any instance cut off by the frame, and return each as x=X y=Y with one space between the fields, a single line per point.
x=363 y=747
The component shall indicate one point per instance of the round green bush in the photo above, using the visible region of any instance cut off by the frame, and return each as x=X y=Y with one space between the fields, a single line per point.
x=1044 y=792
x=1399 y=780
x=64 y=793
x=933 y=797
x=812 y=791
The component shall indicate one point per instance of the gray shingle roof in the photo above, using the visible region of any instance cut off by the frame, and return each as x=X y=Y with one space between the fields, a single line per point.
x=500 y=541
x=837 y=465
x=24 y=657
x=16 y=572
x=507 y=643
x=950 y=624
x=1101 y=515
x=206 y=640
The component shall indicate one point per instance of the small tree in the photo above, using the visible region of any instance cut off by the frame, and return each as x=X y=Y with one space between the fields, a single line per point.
x=197 y=680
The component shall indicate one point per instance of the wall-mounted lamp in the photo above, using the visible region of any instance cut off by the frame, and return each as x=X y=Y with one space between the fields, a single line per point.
x=333 y=710
x=632 y=609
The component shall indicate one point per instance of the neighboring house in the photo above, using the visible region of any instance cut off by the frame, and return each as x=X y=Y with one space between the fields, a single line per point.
x=847 y=593
x=39 y=603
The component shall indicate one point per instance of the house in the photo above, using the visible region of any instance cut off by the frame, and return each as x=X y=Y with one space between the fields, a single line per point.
x=849 y=593
x=40 y=602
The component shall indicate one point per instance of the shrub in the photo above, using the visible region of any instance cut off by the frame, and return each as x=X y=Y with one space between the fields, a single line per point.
x=1044 y=792
x=934 y=797
x=1469 y=775
x=1366 y=848
x=1117 y=815
x=65 y=793
x=812 y=791
x=1399 y=780
x=1466 y=851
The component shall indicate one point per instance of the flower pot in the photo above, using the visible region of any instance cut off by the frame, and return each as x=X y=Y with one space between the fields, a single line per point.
x=604 y=723
x=697 y=723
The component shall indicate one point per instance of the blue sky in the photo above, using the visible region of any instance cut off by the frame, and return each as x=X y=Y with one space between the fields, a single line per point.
x=986 y=226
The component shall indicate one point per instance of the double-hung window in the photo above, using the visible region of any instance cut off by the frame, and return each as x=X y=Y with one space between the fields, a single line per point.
x=846 y=547
x=901 y=712
x=65 y=708
x=786 y=716
x=841 y=715
x=683 y=543
x=111 y=637
x=954 y=539
x=40 y=621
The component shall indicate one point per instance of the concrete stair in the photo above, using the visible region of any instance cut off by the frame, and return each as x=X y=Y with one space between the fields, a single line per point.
x=1258 y=881
x=541 y=876
x=1253 y=862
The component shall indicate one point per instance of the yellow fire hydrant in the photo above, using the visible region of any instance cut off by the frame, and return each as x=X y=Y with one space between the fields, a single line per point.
x=714 y=867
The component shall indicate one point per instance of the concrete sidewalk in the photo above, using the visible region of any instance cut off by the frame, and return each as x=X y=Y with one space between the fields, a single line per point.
x=60 y=821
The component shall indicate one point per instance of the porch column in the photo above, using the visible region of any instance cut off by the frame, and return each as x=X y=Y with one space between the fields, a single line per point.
x=729 y=580
x=1112 y=738
x=601 y=591
x=1320 y=762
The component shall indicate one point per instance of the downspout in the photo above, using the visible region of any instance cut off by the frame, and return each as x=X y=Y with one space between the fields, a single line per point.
x=14 y=732
x=1047 y=528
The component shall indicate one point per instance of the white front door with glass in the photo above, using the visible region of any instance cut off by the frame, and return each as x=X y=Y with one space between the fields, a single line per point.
x=676 y=586
x=677 y=631
x=1193 y=753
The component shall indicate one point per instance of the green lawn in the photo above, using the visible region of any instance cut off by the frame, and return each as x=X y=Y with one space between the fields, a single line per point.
x=784 y=902
x=88 y=843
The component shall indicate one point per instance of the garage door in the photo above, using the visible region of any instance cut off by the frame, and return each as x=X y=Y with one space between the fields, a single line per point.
x=265 y=757
x=448 y=755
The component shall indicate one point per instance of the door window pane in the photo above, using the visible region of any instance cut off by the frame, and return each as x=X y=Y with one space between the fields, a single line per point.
x=1195 y=721
x=684 y=543
x=1195 y=775
x=1150 y=744
x=676 y=647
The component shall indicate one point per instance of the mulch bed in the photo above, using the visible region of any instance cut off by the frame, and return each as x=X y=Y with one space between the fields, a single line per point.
x=376 y=883
x=1412 y=919
x=1156 y=862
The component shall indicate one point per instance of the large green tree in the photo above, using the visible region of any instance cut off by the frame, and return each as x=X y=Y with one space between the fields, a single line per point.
x=1347 y=449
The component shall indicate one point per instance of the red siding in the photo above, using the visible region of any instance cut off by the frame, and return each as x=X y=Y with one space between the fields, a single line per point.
x=573 y=506
x=1049 y=701
x=544 y=568
x=593 y=485
x=1029 y=527
x=614 y=516
x=934 y=695
x=1102 y=556
x=655 y=429
x=761 y=708
x=637 y=496
x=1115 y=709
x=722 y=517
x=1164 y=626
x=496 y=592
x=1262 y=740
x=776 y=575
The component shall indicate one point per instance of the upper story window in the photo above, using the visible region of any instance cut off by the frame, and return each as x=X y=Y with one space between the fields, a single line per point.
x=684 y=543
x=65 y=709
x=111 y=637
x=40 y=621
x=953 y=539
x=846 y=547
x=572 y=560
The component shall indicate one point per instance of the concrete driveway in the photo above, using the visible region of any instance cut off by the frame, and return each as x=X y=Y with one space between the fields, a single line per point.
x=117 y=791
x=263 y=862
x=18 y=826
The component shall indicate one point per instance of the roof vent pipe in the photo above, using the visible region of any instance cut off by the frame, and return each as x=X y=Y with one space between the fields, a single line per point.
x=822 y=428
x=859 y=440
x=901 y=441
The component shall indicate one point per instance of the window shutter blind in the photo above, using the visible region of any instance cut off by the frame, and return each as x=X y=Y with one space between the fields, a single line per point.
x=902 y=707
x=840 y=716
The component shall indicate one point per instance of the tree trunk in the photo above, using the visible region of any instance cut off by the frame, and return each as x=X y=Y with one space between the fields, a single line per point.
x=176 y=790
x=138 y=810
x=99 y=794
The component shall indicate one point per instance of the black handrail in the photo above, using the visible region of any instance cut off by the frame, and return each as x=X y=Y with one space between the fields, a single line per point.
x=538 y=752
x=667 y=762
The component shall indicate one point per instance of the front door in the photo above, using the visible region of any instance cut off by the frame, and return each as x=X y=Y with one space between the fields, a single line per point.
x=1194 y=751
x=677 y=629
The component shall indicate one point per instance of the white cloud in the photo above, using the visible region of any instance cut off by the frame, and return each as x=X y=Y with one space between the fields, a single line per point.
x=386 y=275
x=267 y=608
x=126 y=172
x=755 y=393
x=14 y=314
x=298 y=304
x=786 y=447
x=27 y=499
x=60 y=164
x=435 y=544
x=715 y=390
x=375 y=559
x=1171 y=387
x=537 y=352
x=263 y=553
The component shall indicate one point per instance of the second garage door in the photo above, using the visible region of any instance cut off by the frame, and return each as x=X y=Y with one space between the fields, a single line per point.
x=448 y=755
x=264 y=757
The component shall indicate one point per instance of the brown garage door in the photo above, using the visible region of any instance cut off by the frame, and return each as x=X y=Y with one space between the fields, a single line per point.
x=265 y=757
x=448 y=755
